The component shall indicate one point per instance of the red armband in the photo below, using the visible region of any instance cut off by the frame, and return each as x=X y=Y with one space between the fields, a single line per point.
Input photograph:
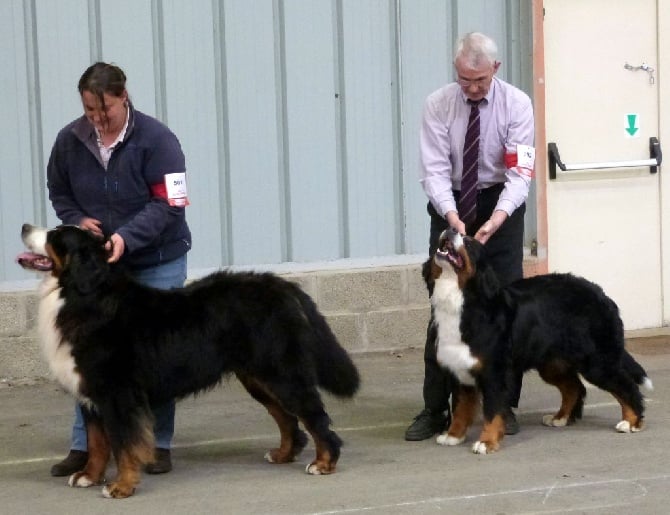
x=159 y=190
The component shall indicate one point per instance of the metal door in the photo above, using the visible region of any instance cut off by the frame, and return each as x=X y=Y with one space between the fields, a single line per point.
x=602 y=117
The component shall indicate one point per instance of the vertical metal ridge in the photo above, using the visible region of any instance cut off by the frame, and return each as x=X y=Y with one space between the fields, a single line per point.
x=222 y=130
x=283 y=157
x=95 y=30
x=158 y=26
x=512 y=73
x=398 y=122
x=341 y=161
x=34 y=111
x=454 y=34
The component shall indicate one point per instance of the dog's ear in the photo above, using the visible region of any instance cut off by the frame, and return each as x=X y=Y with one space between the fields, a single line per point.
x=489 y=284
x=427 y=273
x=87 y=270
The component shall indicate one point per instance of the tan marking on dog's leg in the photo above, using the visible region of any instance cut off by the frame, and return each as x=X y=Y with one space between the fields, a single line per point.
x=324 y=462
x=292 y=439
x=327 y=444
x=288 y=447
x=128 y=464
x=630 y=422
x=570 y=388
x=492 y=434
x=463 y=416
x=98 y=457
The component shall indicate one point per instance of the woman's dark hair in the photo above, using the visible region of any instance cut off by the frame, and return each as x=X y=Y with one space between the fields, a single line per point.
x=101 y=78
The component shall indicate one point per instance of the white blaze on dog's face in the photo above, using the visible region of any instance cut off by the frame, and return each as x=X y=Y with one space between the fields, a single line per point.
x=447 y=267
x=34 y=238
x=452 y=255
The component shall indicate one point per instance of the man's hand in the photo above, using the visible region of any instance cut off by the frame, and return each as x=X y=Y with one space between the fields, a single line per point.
x=455 y=222
x=115 y=246
x=490 y=226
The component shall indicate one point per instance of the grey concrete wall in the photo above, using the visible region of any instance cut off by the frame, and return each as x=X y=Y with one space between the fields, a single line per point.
x=373 y=309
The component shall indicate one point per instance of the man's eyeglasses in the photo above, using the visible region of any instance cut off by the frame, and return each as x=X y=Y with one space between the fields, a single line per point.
x=466 y=83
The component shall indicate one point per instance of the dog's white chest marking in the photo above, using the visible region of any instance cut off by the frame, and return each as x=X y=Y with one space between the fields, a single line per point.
x=58 y=353
x=452 y=353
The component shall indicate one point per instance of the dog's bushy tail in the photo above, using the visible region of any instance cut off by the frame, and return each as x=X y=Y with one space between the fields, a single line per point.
x=636 y=371
x=336 y=372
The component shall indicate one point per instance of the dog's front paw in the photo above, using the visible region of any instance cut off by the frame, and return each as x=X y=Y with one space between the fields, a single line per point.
x=445 y=439
x=480 y=447
x=626 y=427
x=551 y=421
x=317 y=468
x=117 y=490
x=82 y=480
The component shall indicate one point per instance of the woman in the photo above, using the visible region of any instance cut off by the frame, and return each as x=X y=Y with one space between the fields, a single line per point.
x=121 y=175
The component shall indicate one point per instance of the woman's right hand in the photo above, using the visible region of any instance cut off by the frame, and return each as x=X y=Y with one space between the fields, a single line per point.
x=92 y=225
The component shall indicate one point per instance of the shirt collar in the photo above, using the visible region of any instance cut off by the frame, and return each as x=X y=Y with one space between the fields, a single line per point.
x=121 y=135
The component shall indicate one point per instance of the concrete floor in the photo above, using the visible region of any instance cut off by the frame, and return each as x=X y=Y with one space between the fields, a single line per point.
x=221 y=438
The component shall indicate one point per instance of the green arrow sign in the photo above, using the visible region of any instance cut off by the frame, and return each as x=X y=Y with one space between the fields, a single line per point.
x=632 y=122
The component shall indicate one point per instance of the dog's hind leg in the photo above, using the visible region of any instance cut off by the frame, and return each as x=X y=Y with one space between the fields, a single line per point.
x=621 y=385
x=304 y=400
x=464 y=414
x=293 y=439
x=573 y=393
x=98 y=454
x=327 y=443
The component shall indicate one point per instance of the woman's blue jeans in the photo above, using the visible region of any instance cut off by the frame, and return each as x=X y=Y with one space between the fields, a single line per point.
x=164 y=276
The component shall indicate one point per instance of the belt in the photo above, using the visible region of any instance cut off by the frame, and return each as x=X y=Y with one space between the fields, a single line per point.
x=495 y=189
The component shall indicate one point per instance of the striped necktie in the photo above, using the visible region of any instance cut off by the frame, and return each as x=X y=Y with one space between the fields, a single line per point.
x=467 y=202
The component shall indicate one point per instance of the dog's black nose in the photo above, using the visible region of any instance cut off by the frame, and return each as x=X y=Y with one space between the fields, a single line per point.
x=25 y=229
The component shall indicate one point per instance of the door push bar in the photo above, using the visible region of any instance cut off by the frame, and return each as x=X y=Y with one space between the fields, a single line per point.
x=654 y=161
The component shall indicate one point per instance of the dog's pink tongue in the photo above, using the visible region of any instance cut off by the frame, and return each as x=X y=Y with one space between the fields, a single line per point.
x=24 y=256
x=34 y=261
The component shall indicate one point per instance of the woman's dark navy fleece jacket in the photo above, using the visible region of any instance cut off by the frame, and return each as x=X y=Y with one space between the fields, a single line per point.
x=121 y=197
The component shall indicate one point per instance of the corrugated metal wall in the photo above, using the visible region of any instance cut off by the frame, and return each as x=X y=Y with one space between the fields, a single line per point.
x=299 y=118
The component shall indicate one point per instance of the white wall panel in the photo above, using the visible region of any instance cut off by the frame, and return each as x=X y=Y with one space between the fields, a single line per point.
x=372 y=157
x=299 y=118
x=426 y=49
x=314 y=192
x=19 y=186
x=126 y=29
x=252 y=83
x=63 y=52
x=190 y=100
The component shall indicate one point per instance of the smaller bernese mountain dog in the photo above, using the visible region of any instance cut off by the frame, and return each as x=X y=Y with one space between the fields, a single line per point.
x=561 y=325
x=120 y=347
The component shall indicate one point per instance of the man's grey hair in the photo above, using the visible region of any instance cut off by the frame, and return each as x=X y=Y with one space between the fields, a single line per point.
x=476 y=49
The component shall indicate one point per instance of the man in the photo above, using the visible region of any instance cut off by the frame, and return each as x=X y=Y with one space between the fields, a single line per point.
x=498 y=151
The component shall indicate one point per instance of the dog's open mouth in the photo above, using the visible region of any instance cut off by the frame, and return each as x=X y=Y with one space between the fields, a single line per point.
x=447 y=252
x=32 y=261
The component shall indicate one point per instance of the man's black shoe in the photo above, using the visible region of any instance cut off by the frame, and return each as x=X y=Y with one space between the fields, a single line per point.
x=73 y=462
x=511 y=424
x=162 y=464
x=425 y=425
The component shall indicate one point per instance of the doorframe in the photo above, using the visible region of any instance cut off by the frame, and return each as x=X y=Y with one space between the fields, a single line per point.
x=541 y=265
x=663 y=40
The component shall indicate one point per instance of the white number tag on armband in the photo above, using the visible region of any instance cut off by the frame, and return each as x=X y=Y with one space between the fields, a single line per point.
x=175 y=187
x=525 y=156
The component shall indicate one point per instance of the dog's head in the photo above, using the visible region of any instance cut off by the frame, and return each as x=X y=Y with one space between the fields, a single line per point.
x=67 y=252
x=458 y=256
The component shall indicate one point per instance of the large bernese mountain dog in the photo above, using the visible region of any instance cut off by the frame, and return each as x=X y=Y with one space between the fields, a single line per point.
x=120 y=347
x=561 y=325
